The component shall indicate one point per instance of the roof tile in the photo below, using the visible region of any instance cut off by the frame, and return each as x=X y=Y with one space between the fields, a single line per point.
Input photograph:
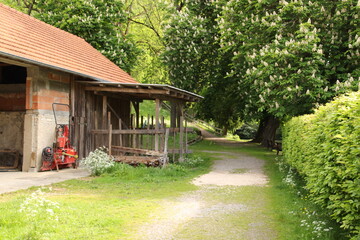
x=28 y=38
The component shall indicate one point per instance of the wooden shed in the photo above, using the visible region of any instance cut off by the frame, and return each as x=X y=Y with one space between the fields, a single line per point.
x=41 y=65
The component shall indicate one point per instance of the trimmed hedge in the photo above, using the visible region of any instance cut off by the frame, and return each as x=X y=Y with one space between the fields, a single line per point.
x=324 y=147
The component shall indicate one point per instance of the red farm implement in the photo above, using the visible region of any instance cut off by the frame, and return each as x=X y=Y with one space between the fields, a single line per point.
x=62 y=154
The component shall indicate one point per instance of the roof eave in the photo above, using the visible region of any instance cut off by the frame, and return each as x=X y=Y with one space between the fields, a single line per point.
x=41 y=64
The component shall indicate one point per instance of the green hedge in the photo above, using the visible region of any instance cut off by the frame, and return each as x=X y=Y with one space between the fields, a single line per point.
x=324 y=147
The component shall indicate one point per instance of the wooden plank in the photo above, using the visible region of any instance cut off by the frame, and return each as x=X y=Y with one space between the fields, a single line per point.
x=177 y=130
x=137 y=151
x=120 y=136
x=83 y=137
x=173 y=115
x=89 y=122
x=96 y=126
x=186 y=137
x=157 y=122
x=148 y=128
x=128 y=90
x=141 y=140
x=104 y=115
x=174 y=143
x=162 y=139
x=133 y=128
x=129 y=131
x=177 y=151
x=136 y=160
x=165 y=156
x=181 y=140
x=110 y=133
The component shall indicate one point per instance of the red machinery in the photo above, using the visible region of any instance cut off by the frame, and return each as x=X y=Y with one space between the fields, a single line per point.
x=62 y=154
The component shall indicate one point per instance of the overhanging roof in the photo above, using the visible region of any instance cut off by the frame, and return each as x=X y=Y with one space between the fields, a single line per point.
x=29 y=40
x=143 y=91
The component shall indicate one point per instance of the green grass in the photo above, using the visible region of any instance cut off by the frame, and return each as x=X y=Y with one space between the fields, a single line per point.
x=114 y=205
x=285 y=205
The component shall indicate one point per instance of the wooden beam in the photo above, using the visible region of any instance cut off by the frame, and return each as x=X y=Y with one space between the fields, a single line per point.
x=127 y=90
x=129 y=131
x=122 y=96
x=137 y=151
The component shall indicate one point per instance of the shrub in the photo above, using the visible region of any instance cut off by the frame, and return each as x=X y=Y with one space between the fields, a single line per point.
x=247 y=131
x=98 y=161
x=325 y=149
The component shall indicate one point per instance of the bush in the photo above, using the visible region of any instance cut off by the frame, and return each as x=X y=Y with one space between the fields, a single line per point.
x=325 y=149
x=98 y=162
x=247 y=131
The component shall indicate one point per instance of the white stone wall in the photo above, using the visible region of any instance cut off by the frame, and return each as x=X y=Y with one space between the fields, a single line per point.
x=40 y=133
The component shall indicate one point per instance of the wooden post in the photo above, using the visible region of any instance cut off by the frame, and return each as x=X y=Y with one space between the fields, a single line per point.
x=110 y=132
x=148 y=127
x=134 y=135
x=162 y=139
x=141 y=136
x=166 y=147
x=96 y=128
x=174 y=145
x=152 y=137
x=104 y=112
x=181 y=140
x=186 y=138
x=120 y=135
x=137 y=114
x=173 y=115
x=157 y=122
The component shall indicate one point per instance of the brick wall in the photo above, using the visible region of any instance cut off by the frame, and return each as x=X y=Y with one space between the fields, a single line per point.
x=12 y=101
x=49 y=87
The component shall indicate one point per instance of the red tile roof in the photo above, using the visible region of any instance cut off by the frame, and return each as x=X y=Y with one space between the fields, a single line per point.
x=26 y=38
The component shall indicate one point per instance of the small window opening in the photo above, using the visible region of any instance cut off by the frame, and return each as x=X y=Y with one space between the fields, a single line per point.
x=11 y=74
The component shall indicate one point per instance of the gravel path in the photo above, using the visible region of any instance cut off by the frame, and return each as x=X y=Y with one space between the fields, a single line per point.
x=211 y=212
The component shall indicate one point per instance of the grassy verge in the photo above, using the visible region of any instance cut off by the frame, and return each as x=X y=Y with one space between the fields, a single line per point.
x=293 y=216
x=112 y=206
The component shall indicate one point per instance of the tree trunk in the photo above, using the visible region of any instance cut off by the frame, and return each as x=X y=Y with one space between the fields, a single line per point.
x=272 y=125
x=260 y=132
x=224 y=131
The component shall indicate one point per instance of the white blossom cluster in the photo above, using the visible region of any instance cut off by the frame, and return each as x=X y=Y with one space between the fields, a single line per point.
x=37 y=206
x=98 y=161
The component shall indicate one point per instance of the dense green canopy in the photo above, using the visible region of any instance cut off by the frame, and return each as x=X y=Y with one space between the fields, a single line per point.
x=264 y=57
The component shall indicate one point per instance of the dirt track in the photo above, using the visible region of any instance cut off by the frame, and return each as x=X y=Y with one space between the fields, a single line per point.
x=224 y=207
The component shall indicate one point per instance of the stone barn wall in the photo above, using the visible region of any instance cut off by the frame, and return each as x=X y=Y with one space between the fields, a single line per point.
x=44 y=87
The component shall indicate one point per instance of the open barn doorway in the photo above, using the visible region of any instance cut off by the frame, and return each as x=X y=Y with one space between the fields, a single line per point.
x=12 y=114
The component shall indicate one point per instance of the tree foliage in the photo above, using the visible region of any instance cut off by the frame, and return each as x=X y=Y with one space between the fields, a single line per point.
x=145 y=19
x=98 y=22
x=290 y=56
x=270 y=58
x=195 y=63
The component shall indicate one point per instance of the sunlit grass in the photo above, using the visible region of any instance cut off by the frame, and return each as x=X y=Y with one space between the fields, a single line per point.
x=116 y=204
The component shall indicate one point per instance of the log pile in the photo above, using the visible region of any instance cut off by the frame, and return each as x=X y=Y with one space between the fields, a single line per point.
x=149 y=161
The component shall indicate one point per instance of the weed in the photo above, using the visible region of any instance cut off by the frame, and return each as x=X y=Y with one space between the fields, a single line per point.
x=39 y=214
